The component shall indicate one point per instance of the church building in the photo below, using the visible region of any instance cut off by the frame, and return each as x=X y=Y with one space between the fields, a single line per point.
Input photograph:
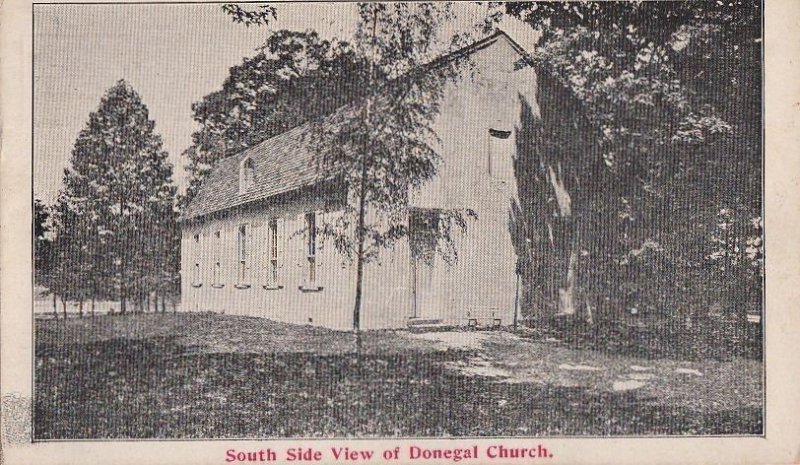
x=250 y=246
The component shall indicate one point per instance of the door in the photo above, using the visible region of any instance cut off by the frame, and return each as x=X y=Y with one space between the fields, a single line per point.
x=423 y=240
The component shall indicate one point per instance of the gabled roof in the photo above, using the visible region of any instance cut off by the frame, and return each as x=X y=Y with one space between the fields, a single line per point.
x=287 y=161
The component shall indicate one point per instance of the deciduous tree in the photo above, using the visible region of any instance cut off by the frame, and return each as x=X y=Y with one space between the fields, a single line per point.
x=668 y=141
x=294 y=78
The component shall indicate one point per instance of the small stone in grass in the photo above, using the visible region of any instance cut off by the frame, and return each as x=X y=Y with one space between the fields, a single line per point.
x=626 y=385
x=688 y=371
x=640 y=368
x=567 y=366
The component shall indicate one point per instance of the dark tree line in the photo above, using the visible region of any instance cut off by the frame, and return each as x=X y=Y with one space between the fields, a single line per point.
x=113 y=228
x=295 y=77
x=640 y=175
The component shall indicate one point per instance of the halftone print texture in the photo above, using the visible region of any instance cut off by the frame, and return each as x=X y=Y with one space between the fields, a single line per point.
x=397 y=220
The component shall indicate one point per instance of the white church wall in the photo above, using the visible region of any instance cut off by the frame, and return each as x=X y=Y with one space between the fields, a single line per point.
x=481 y=284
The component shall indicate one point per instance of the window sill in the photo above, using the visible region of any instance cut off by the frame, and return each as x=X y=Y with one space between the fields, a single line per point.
x=310 y=289
x=272 y=288
x=197 y=285
x=217 y=286
x=241 y=286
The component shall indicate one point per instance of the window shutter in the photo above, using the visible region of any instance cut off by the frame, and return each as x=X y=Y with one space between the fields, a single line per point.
x=248 y=247
x=320 y=239
x=303 y=242
x=281 y=229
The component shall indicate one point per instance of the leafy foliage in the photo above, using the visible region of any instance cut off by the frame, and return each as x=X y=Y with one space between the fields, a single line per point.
x=260 y=16
x=42 y=244
x=288 y=82
x=383 y=147
x=671 y=138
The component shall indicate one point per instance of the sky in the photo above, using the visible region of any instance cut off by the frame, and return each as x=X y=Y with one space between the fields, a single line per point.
x=172 y=54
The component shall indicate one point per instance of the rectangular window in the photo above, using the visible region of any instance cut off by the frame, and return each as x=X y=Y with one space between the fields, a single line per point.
x=311 y=247
x=216 y=281
x=242 y=249
x=197 y=256
x=218 y=249
x=273 y=254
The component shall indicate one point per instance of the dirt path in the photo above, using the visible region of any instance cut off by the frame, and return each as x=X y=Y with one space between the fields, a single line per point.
x=507 y=358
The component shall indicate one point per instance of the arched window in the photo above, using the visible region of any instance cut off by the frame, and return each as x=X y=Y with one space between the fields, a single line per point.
x=247 y=173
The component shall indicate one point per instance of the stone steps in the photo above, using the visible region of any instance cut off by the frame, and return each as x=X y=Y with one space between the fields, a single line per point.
x=423 y=321
x=425 y=325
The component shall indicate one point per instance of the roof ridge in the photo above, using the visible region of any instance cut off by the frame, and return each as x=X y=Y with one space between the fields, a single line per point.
x=283 y=143
x=431 y=64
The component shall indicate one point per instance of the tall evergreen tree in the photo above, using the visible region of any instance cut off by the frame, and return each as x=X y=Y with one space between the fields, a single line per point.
x=116 y=211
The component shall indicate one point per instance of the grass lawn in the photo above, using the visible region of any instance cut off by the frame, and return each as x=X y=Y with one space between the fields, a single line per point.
x=207 y=376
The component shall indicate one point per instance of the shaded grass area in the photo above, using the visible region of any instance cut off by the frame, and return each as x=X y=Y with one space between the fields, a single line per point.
x=149 y=376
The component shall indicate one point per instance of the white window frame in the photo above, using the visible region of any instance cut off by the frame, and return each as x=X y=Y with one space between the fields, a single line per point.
x=273 y=260
x=216 y=280
x=197 y=277
x=311 y=248
x=242 y=262
x=217 y=272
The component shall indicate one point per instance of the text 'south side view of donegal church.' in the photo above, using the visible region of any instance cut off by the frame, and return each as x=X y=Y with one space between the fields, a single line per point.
x=249 y=244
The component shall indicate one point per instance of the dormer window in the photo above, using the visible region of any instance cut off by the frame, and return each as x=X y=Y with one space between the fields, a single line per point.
x=247 y=174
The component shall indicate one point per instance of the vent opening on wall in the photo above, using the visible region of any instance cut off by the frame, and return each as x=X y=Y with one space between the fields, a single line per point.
x=499 y=159
x=499 y=133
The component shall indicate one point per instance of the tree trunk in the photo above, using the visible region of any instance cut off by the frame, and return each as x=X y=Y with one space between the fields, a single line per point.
x=589 y=313
x=516 y=298
x=55 y=306
x=566 y=292
x=362 y=207
x=164 y=302
x=123 y=263
x=360 y=259
x=123 y=305
x=64 y=306
x=567 y=239
x=80 y=307
x=94 y=295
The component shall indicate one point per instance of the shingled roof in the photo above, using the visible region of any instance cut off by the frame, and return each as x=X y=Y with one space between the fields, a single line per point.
x=285 y=162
